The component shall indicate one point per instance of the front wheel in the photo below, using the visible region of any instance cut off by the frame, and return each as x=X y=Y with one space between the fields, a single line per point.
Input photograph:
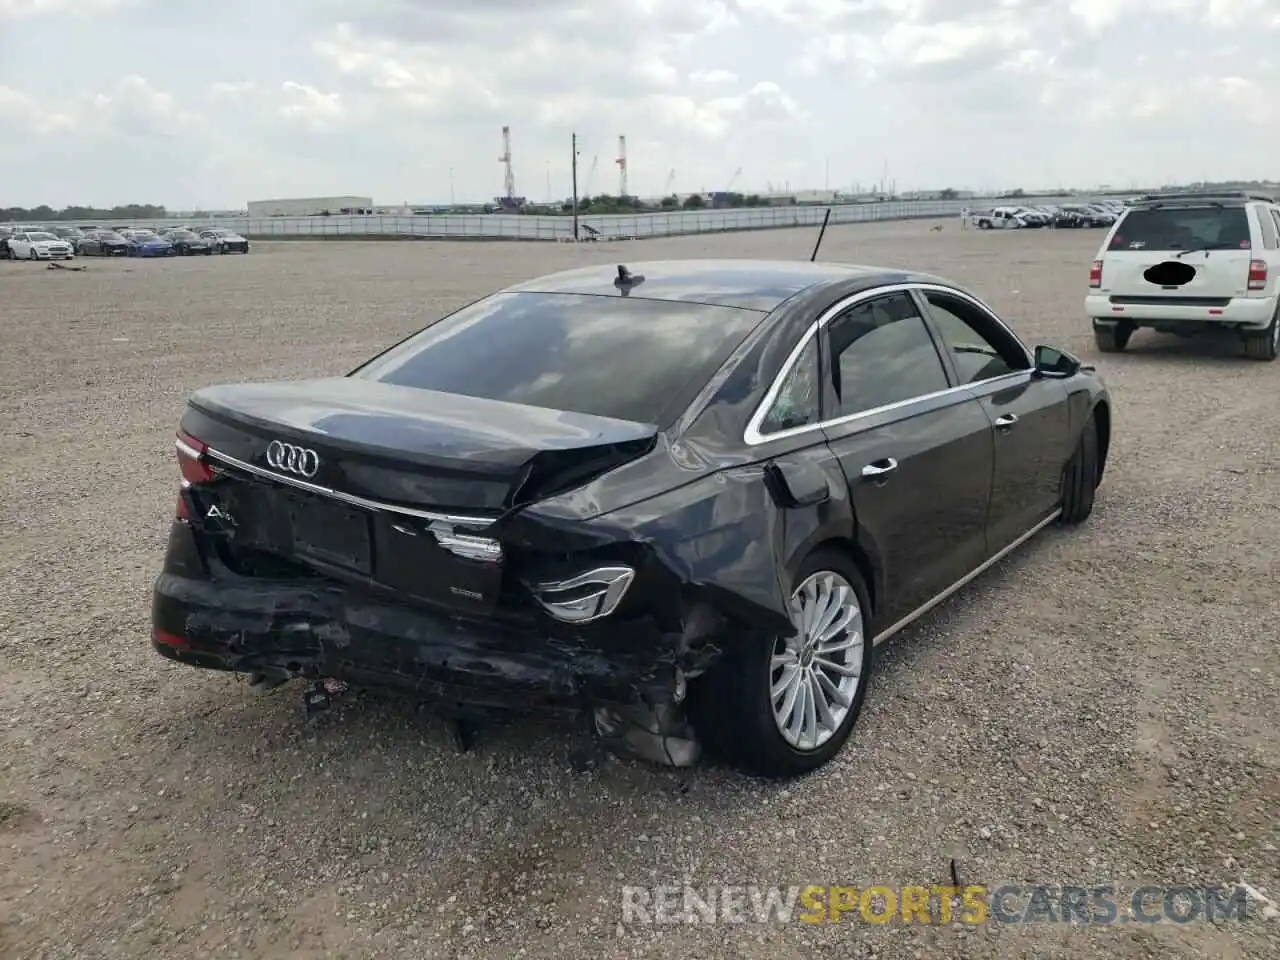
x=783 y=707
x=1080 y=478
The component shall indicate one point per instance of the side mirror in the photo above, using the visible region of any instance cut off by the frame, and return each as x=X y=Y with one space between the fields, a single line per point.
x=1056 y=364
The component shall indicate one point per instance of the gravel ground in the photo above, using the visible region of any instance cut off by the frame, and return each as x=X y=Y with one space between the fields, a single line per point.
x=1099 y=708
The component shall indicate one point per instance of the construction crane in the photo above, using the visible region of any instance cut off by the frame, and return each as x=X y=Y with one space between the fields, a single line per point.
x=734 y=179
x=508 y=200
x=621 y=161
x=671 y=183
x=591 y=174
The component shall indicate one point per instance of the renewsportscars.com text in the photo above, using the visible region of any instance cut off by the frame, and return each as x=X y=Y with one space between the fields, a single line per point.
x=935 y=904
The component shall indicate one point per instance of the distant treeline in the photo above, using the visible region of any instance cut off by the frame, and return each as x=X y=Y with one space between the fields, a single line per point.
x=44 y=214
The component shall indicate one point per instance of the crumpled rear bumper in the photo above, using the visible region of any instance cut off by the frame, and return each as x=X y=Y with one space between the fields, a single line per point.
x=205 y=615
x=331 y=632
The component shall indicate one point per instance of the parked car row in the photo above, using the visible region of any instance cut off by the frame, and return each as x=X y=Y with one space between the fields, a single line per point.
x=24 y=242
x=1098 y=213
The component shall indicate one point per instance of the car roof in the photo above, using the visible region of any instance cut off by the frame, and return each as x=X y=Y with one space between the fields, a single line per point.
x=749 y=284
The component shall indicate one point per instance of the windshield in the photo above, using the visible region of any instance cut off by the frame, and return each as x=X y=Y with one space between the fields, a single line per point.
x=1209 y=227
x=41 y=236
x=627 y=358
x=108 y=235
x=182 y=235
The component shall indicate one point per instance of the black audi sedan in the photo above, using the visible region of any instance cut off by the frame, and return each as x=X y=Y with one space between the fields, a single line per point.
x=687 y=498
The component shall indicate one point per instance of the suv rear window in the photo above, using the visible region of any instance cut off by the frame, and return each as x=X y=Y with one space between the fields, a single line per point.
x=1208 y=227
x=623 y=357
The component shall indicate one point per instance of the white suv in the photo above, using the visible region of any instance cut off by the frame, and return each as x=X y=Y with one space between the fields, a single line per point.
x=1186 y=262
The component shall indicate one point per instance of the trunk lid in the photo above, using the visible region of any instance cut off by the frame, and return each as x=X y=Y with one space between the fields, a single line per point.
x=390 y=485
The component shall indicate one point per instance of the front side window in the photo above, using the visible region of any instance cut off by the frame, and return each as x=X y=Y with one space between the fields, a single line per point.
x=881 y=353
x=978 y=348
x=797 y=402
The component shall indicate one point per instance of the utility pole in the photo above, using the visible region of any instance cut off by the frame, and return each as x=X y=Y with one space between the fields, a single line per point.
x=575 y=186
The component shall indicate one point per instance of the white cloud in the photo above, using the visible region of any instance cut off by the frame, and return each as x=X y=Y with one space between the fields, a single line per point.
x=386 y=97
x=309 y=106
x=713 y=76
x=31 y=9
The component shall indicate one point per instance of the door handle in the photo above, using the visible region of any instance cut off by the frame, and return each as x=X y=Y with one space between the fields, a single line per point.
x=879 y=469
x=1007 y=421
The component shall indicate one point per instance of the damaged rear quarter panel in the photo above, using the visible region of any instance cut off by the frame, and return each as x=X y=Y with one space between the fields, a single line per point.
x=730 y=537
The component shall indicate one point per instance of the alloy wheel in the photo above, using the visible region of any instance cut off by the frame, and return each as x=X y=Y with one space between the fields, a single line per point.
x=814 y=674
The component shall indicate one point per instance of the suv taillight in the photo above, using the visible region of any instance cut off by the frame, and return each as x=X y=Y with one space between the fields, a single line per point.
x=191 y=464
x=1257 y=274
x=1095 y=274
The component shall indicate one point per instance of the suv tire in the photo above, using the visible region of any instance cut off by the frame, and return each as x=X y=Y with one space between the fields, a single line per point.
x=1264 y=344
x=1112 y=338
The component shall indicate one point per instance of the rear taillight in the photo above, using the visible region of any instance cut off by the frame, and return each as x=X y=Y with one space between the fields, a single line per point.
x=192 y=466
x=1257 y=274
x=1095 y=274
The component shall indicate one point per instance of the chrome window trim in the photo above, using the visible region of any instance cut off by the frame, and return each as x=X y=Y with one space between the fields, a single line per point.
x=753 y=437
x=473 y=522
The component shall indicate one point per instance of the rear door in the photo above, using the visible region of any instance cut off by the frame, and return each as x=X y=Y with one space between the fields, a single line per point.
x=916 y=453
x=1192 y=253
x=1029 y=419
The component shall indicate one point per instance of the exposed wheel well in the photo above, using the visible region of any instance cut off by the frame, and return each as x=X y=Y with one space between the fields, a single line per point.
x=858 y=558
x=1102 y=423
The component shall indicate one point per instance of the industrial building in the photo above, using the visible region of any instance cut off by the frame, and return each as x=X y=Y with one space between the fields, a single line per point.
x=311 y=207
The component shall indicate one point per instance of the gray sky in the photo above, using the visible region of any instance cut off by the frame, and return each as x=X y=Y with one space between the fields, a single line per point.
x=212 y=104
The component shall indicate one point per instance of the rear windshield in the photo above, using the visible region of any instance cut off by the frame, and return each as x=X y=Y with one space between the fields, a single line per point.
x=623 y=357
x=1183 y=228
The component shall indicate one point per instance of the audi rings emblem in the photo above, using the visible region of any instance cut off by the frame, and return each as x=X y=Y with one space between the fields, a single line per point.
x=287 y=457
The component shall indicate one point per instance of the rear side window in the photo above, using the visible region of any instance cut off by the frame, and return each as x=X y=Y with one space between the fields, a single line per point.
x=797 y=403
x=622 y=357
x=1268 y=227
x=882 y=353
x=1206 y=227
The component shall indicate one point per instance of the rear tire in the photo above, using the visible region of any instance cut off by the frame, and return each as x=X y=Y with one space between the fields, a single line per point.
x=984 y=224
x=1264 y=344
x=1080 y=478
x=735 y=710
x=1113 y=338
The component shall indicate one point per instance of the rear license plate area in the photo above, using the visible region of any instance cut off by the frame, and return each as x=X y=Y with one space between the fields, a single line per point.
x=332 y=534
x=411 y=560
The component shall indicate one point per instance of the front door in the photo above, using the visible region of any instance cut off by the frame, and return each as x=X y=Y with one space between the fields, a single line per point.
x=916 y=453
x=1029 y=417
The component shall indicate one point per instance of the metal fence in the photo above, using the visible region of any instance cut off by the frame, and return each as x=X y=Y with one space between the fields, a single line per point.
x=625 y=226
